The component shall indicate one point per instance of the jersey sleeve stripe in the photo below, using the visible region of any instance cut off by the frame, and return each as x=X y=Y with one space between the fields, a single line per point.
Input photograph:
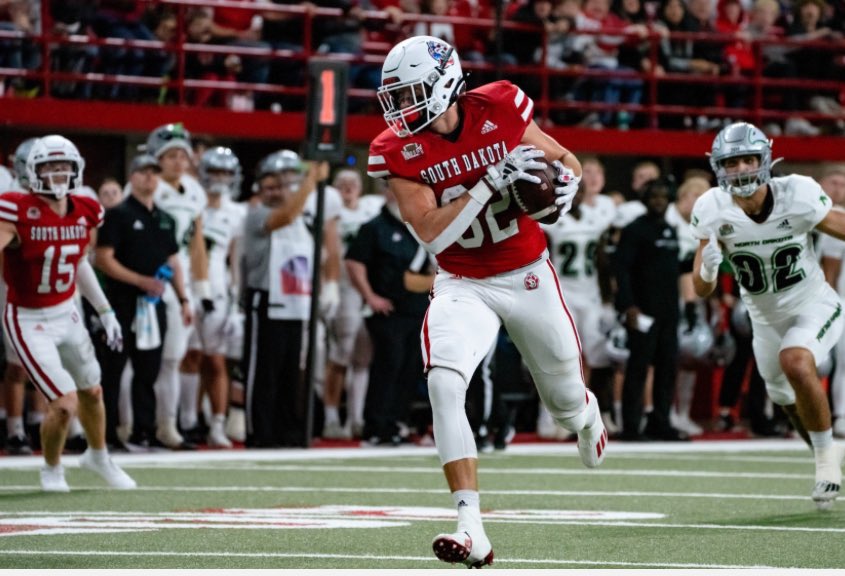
x=6 y=205
x=529 y=110
x=377 y=167
x=524 y=105
x=6 y=216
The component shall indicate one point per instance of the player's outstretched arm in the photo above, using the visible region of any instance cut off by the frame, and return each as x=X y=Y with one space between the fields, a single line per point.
x=708 y=257
x=834 y=223
x=292 y=207
x=90 y=288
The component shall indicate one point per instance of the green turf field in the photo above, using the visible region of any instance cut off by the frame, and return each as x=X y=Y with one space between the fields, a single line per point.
x=740 y=504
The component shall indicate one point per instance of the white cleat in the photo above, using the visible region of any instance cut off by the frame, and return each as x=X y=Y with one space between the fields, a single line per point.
x=107 y=470
x=592 y=440
x=828 y=476
x=334 y=431
x=217 y=439
x=236 y=424
x=460 y=547
x=53 y=479
x=168 y=435
x=685 y=424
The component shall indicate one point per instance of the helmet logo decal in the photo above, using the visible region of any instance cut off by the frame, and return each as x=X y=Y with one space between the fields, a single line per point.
x=438 y=51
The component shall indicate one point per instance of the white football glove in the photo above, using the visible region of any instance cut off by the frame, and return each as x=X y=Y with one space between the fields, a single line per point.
x=329 y=299
x=112 y=330
x=514 y=165
x=711 y=258
x=565 y=192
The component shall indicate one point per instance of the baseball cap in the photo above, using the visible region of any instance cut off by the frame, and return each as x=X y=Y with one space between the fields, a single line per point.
x=144 y=161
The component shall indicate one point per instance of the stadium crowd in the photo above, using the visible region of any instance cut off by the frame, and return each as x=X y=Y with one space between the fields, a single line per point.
x=703 y=53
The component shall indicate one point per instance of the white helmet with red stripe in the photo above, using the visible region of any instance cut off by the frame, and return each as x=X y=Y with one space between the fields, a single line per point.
x=421 y=77
x=57 y=183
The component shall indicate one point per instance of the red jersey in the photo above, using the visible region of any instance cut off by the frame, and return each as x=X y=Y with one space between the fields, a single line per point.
x=494 y=118
x=39 y=266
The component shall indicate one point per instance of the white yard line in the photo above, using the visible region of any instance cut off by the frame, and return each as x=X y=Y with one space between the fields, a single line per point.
x=322 y=556
x=551 y=449
x=437 y=491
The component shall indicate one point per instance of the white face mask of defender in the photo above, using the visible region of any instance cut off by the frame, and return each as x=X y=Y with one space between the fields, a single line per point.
x=735 y=141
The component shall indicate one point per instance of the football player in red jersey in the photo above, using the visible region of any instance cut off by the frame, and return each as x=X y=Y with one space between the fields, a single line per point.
x=449 y=157
x=45 y=235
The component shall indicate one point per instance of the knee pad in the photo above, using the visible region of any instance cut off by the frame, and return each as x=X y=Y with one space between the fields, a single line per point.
x=452 y=433
x=565 y=395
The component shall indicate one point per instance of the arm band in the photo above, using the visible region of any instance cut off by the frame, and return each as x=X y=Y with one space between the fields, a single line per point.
x=89 y=287
x=479 y=195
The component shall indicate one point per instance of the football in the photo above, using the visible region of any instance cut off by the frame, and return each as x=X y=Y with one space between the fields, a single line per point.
x=538 y=200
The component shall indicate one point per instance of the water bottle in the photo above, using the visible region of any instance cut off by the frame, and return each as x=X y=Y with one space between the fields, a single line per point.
x=164 y=274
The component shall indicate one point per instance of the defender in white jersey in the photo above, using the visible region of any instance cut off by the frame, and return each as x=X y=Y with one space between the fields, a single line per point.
x=349 y=351
x=220 y=175
x=762 y=225
x=181 y=196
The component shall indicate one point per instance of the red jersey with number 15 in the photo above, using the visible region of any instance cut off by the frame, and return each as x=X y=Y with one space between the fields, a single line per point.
x=494 y=118
x=39 y=266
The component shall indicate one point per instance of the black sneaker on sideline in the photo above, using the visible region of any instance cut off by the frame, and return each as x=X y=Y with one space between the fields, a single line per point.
x=76 y=444
x=18 y=446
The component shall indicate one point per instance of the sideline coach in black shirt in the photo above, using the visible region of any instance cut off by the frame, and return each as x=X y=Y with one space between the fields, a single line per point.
x=136 y=239
x=394 y=275
x=647 y=275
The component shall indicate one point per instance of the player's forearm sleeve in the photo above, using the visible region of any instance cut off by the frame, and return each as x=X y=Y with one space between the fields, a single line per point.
x=478 y=197
x=90 y=288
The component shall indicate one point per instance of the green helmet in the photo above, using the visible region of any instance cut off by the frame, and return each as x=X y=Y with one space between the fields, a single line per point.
x=167 y=137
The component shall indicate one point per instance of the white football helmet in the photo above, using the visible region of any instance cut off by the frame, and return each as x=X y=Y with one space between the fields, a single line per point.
x=21 y=155
x=740 y=320
x=421 y=77
x=54 y=148
x=169 y=136
x=285 y=163
x=220 y=159
x=694 y=344
x=742 y=139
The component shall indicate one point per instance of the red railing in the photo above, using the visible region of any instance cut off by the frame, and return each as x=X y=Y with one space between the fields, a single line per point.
x=548 y=103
